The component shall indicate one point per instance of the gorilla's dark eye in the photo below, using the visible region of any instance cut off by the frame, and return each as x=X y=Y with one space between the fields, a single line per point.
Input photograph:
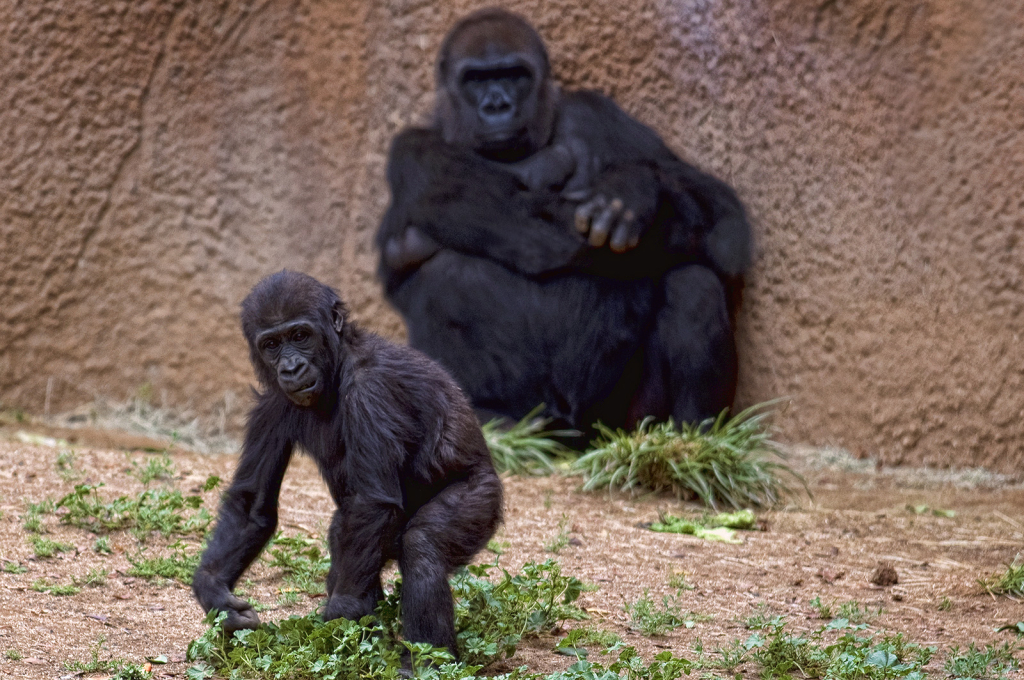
x=484 y=75
x=271 y=345
x=300 y=336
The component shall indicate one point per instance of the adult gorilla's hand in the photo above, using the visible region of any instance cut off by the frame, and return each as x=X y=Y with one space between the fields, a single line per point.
x=619 y=209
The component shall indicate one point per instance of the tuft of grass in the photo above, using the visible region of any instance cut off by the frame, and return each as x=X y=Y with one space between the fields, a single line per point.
x=102 y=546
x=646 y=617
x=850 y=612
x=60 y=590
x=95 y=578
x=13 y=654
x=824 y=609
x=855 y=612
x=116 y=669
x=32 y=520
x=590 y=636
x=160 y=510
x=946 y=604
x=561 y=539
x=763 y=618
x=678 y=581
x=65 y=466
x=176 y=428
x=305 y=562
x=527 y=447
x=1007 y=582
x=45 y=548
x=14 y=568
x=155 y=468
x=724 y=461
x=992 y=663
x=179 y=566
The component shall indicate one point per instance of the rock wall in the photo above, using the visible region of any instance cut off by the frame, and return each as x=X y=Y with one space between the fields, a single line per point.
x=158 y=158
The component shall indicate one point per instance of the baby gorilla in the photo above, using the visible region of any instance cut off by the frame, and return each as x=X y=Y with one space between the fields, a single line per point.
x=394 y=439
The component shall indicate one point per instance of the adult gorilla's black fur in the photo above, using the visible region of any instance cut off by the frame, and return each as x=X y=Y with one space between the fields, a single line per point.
x=396 y=442
x=628 y=314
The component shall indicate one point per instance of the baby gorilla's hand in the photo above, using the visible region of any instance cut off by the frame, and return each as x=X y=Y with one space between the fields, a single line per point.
x=214 y=595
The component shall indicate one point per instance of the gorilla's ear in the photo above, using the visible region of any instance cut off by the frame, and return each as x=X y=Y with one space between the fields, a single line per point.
x=338 y=315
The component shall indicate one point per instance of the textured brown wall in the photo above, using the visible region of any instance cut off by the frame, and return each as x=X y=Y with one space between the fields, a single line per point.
x=157 y=158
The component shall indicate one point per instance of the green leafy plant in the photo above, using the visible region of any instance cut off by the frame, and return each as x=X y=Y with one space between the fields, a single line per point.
x=724 y=461
x=160 y=510
x=992 y=663
x=1010 y=581
x=491 y=618
x=1017 y=628
x=14 y=568
x=848 y=656
x=721 y=527
x=102 y=546
x=650 y=619
x=526 y=448
x=13 y=654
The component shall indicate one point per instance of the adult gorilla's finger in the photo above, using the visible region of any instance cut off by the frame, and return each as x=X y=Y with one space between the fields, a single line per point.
x=602 y=225
x=623 y=233
x=585 y=212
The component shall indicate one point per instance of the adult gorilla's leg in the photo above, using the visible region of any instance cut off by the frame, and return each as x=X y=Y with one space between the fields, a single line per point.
x=444 y=534
x=513 y=343
x=476 y=319
x=690 y=363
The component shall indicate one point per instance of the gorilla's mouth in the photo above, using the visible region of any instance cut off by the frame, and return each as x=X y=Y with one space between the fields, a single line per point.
x=503 y=138
x=304 y=395
x=306 y=389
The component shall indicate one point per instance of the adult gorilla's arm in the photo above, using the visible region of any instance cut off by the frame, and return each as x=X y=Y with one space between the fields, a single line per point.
x=461 y=202
x=248 y=516
x=697 y=214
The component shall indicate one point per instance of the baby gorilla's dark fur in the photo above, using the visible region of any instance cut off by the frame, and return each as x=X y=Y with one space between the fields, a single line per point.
x=396 y=442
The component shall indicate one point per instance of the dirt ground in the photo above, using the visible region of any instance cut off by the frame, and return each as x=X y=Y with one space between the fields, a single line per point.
x=826 y=545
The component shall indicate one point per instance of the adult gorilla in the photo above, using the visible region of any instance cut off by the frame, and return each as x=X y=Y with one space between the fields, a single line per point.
x=628 y=314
